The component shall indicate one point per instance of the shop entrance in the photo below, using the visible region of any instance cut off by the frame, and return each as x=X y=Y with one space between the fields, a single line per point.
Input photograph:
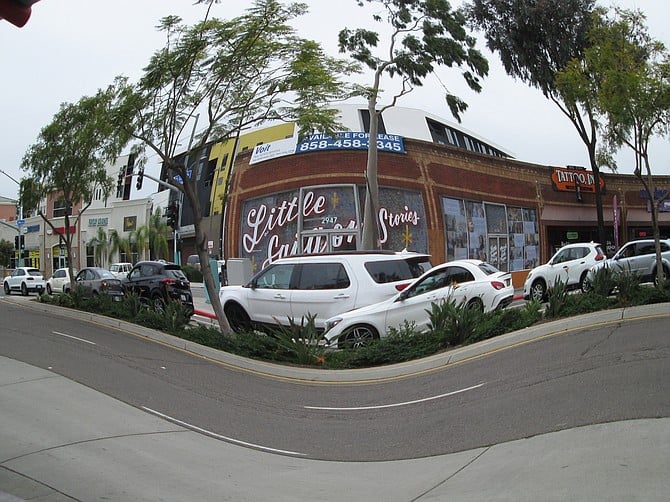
x=498 y=252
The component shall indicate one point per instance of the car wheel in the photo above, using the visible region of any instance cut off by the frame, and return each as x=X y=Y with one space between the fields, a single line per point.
x=584 y=283
x=24 y=289
x=158 y=303
x=538 y=290
x=7 y=290
x=666 y=276
x=49 y=291
x=476 y=304
x=239 y=320
x=357 y=336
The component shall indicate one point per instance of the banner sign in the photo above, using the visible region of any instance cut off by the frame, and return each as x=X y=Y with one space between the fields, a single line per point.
x=349 y=140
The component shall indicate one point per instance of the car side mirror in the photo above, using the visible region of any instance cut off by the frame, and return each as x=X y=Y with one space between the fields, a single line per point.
x=403 y=295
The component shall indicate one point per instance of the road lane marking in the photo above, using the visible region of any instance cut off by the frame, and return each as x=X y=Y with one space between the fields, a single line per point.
x=73 y=337
x=219 y=436
x=393 y=405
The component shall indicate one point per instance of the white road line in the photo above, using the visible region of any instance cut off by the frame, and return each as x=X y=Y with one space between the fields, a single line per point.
x=394 y=405
x=219 y=436
x=73 y=337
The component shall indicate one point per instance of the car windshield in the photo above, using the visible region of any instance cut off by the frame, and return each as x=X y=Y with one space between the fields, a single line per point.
x=34 y=271
x=106 y=274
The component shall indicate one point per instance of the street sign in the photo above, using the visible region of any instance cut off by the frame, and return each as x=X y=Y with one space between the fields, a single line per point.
x=20 y=223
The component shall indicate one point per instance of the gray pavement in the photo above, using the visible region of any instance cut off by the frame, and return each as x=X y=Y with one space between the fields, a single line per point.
x=60 y=440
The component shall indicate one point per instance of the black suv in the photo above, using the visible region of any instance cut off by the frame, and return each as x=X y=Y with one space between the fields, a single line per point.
x=160 y=282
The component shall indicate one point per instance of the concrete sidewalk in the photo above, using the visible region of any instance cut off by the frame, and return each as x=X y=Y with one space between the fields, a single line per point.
x=62 y=441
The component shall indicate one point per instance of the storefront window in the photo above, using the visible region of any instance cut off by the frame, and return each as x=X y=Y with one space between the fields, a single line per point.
x=506 y=237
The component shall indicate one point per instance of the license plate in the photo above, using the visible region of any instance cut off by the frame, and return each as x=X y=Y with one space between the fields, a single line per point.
x=183 y=298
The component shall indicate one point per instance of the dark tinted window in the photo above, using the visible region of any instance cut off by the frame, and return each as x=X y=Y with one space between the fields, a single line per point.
x=458 y=275
x=34 y=271
x=323 y=276
x=174 y=271
x=488 y=269
x=397 y=270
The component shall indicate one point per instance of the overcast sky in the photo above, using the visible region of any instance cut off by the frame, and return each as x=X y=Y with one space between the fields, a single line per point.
x=71 y=48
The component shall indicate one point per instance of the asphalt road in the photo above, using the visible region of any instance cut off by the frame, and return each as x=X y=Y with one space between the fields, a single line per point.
x=611 y=372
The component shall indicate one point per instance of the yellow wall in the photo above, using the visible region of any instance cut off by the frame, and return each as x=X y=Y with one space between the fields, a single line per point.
x=247 y=141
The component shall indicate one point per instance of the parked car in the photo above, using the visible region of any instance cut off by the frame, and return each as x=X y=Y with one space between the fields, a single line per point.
x=120 y=270
x=473 y=283
x=99 y=281
x=25 y=280
x=159 y=282
x=60 y=281
x=322 y=285
x=193 y=261
x=638 y=257
x=570 y=265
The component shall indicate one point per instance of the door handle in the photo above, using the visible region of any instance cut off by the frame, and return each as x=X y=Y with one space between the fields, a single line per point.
x=340 y=296
x=280 y=296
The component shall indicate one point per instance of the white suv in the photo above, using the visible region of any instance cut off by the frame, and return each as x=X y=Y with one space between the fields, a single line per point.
x=120 y=270
x=570 y=265
x=25 y=280
x=321 y=285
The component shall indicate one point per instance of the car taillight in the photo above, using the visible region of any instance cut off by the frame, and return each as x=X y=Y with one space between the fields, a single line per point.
x=168 y=282
x=600 y=256
x=497 y=285
x=104 y=285
x=400 y=287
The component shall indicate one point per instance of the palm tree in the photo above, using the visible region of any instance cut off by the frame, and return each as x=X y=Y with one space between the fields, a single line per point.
x=118 y=244
x=100 y=244
x=155 y=236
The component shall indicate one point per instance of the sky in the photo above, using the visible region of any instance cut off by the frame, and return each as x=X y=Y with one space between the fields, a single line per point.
x=72 y=48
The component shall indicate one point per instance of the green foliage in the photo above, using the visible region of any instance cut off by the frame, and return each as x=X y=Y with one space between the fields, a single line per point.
x=192 y=273
x=300 y=340
x=454 y=322
x=557 y=298
x=602 y=282
x=6 y=252
x=627 y=285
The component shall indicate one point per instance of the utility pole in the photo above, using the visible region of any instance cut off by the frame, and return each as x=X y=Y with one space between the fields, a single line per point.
x=19 y=221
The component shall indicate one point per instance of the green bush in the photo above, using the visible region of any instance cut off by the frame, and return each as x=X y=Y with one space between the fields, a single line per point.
x=191 y=273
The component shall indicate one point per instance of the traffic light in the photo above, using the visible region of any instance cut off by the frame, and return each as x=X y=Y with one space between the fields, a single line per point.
x=20 y=242
x=16 y=12
x=119 y=182
x=171 y=214
x=16 y=242
x=140 y=176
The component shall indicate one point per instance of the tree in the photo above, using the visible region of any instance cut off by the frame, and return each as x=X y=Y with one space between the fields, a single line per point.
x=238 y=72
x=68 y=161
x=119 y=245
x=153 y=237
x=100 y=245
x=424 y=35
x=634 y=95
x=537 y=39
x=6 y=252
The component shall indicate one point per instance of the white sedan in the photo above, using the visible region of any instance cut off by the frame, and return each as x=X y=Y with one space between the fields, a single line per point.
x=474 y=283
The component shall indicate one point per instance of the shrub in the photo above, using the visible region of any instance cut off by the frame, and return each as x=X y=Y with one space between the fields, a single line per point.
x=192 y=273
x=454 y=323
x=300 y=340
x=557 y=299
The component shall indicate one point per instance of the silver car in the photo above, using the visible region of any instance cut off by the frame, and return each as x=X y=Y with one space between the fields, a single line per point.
x=638 y=258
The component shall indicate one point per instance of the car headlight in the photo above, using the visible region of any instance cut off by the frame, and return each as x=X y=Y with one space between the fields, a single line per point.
x=331 y=323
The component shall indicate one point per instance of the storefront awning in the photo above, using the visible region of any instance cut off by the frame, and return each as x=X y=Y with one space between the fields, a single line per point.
x=642 y=216
x=574 y=214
